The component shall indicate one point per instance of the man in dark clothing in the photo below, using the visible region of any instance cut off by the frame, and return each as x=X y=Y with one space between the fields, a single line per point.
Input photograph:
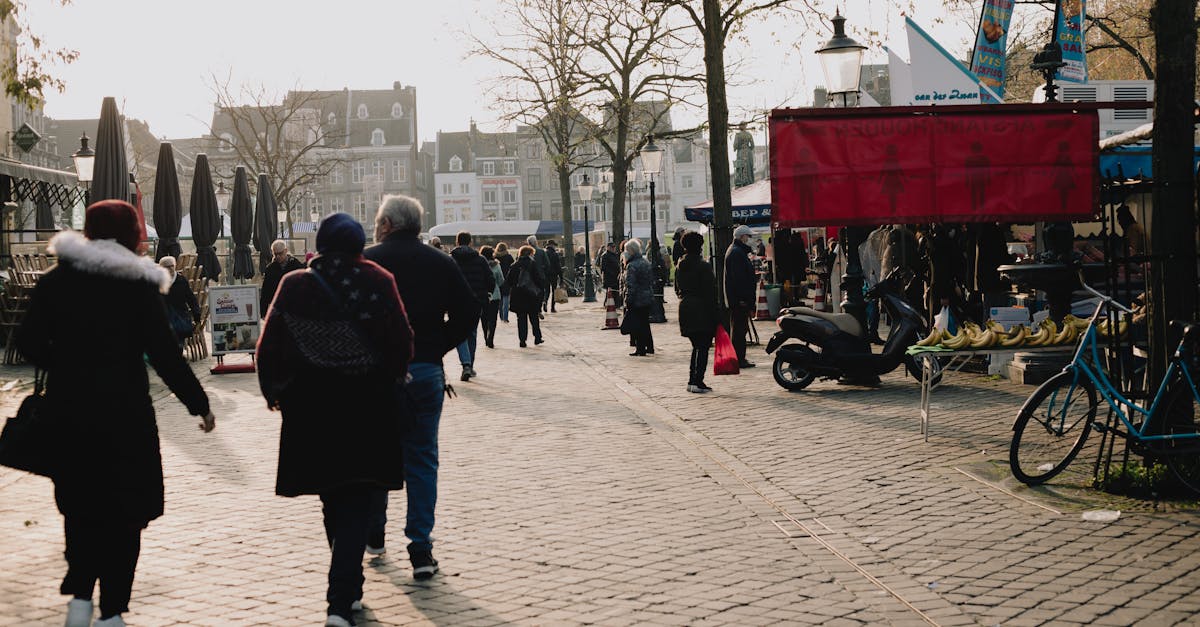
x=441 y=309
x=543 y=263
x=739 y=291
x=677 y=251
x=479 y=276
x=282 y=263
x=554 y=261
x=610 y=267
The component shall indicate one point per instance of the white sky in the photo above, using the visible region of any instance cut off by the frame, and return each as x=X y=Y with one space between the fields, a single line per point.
x=155 y=56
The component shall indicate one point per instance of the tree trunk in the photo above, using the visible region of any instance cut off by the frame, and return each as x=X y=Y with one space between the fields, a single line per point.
x=718 y=123
x=1172 y=283
x=616 y=215
x=568 y=244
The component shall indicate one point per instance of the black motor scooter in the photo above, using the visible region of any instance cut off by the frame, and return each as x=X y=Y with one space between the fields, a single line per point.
x=835 y=346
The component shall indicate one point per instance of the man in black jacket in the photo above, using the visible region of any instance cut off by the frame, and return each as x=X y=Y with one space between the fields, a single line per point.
x=739 y=291
x=479 y=276
x=441 y=309
x=554 y=261
x=610 y=268
x=282 y=263
x=543 y=264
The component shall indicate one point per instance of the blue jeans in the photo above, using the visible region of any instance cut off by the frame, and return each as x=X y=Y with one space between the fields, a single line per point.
x=504 y=307
x=420 y=448
x=466 y=350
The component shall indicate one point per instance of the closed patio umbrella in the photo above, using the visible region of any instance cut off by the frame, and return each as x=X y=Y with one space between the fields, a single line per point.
x=110 y=174
x=241 y=219
x=206 y=220
x=264 y=221
x=168 y=207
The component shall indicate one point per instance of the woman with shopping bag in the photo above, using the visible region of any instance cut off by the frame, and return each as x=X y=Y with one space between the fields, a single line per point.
x=696 y=287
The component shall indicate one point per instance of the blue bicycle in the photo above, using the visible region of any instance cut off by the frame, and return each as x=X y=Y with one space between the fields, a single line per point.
x=1055 y=421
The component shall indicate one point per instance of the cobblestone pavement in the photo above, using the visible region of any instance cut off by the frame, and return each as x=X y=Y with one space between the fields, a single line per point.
x=583 y=486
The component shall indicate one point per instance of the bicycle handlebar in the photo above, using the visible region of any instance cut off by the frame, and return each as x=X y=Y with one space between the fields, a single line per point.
x=1108 y=300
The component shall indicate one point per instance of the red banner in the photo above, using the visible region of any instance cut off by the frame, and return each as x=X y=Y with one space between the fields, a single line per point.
x=1009 y=163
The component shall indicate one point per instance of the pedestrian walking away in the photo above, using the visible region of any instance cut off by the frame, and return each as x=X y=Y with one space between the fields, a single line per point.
x=506 y=261
x=441 y=309
x=542 y=261
x=108 y=478
x=554 y=275
x=334 y=348
x=610 y=269
x=479 y=276
x=492 y=308
x=696 y=287
x=739 y=291
x=282 y=262
x=638 y=296
x=182 y=309
x=524 y=279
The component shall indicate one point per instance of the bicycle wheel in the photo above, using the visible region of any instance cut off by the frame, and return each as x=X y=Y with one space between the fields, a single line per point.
x=1052 y=427
x=1183 y=455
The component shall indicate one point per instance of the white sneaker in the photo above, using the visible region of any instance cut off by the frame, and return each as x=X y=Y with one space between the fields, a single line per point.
x=115 y=621
x=333 y=620
x=79 y=613
x=356 y=606
x=695 y=389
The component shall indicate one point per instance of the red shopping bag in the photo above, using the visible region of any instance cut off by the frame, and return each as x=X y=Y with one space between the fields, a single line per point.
x=725 y=359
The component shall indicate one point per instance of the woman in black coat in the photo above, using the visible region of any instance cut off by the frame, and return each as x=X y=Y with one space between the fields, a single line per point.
x=109 y=480
x=696 y=287
x=526 y=300
x=342 y=422
x=506 y=261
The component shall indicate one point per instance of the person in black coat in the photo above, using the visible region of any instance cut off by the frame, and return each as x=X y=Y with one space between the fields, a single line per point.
x=739 y=291
x=696 y=287
x=108 y=483
x=282 y=262
x=610 y=267
x=526 y=297
x=555 y=273
x=506 y=261
x=478 y=274
x=638 y=296
x=182 y=309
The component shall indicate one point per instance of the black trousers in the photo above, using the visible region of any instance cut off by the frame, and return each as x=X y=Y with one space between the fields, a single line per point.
x=739 y=327
x=100 y=550
x=346 y=511
x=524 y=321
x=699 y=363
x=491 y=312
x=640 y=335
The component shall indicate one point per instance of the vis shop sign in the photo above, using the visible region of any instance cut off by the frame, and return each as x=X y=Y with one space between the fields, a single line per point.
x=991 y=47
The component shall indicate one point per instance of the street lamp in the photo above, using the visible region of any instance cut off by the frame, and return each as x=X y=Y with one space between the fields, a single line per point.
x=585 y=196
x=85 y=160
x=651 y=165
x=223 y=197
x=281 y=215
x=841 y=61
x=631 y=185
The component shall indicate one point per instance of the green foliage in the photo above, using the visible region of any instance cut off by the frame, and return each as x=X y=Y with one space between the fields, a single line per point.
x=1136 y=479
x=27 y=63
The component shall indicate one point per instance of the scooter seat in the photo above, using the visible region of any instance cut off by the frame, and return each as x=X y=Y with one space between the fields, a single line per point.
x=843 y=321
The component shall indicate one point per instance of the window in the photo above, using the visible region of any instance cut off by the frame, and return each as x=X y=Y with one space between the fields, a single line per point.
x=377 y=137
x=377 y=169
x=577 y=212
x=533 y=151
x=489 y=167
x=226 y=143
x=318 y=205
x=686 y=181
x=535 y=179
x=489 y=196
x=357 y=171
x=554 y=181
x=447 y=188
x=362 y=111
x=335 y=176
x=359 y=207
x=510 y=195
x=455 y=164
x=336 y=204
x=510 y=167
x=464 y=188
x=535 y=210
x=332 y=119
x=642 y=213
x=397 y=110
x=555 y=211
x=399 y=171
x=447 y=216
x=662 y=214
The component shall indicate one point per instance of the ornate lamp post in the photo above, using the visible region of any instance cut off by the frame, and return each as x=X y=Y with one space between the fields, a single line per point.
x=85 y=160
x=651 y=165
x=585 y=195
x=631 y=184
x=841 y=61
x=224 y=196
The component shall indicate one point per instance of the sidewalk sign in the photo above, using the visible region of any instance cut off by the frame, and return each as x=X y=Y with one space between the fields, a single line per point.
x=234 y=316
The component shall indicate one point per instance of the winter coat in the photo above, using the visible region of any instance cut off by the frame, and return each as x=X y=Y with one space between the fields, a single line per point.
x=98 y=387
x=739 y=276
x=610 y=270
x=339 y=427
x=542 y=261
x=476 y=271
x=440 y=305
x=696 y=287
x=506 y=261
x=519 y=301
x=639 y=283
x=181 y=298
x=554 y=262
x=272 y=275
x=497 y=279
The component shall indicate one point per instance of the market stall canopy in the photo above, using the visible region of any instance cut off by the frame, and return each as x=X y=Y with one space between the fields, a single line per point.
x=543 y=229
x=241 y=216
x=265 y=222
x=168 y=207
x=751 y=206
x=205 y=219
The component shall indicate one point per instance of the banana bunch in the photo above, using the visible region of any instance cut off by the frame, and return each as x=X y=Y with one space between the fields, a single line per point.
x=1105 y=329
x=971 y=336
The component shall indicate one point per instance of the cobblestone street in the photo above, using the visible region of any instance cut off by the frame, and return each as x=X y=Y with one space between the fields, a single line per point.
x=582 y=486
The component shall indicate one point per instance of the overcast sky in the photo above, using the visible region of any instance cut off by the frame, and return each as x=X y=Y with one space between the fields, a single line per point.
x=155 y=56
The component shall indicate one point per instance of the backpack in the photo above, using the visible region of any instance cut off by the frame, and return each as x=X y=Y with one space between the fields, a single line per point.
x=527 y=285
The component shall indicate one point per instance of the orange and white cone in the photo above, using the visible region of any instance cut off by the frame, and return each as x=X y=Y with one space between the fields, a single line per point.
x=610 y=311
x=819 y=297
x=762 y=312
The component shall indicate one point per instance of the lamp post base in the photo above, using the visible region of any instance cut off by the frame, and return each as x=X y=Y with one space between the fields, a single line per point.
x=657 y=312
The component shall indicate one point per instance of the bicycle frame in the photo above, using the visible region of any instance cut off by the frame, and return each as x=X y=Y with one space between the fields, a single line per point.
x=1111 y=394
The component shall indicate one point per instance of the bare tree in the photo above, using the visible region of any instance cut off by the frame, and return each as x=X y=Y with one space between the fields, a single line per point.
x=282 y=137
x=25 y=61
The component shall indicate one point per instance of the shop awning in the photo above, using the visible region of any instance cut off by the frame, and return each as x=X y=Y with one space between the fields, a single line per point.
x=751 y=206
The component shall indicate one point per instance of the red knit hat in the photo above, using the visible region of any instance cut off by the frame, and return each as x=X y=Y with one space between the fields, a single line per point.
x=113 y=219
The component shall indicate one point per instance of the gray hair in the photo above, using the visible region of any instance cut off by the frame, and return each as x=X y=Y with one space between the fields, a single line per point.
x=278 y=246
x=167 y=261
x=403 y=212
x=531 y=240
x=633 y=247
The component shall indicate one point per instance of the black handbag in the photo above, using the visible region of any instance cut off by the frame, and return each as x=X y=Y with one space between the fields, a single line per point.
x=28 y=440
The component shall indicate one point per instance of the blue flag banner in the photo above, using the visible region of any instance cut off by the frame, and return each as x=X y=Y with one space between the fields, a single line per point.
x=991 y=45
x=1071 y=14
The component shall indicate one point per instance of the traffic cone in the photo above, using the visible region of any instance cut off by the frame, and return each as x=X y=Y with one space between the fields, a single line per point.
x=762 y=312
x=610 y=311
x=819 y=297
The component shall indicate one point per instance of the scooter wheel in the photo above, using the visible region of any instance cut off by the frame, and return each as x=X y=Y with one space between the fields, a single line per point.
x=788 y=375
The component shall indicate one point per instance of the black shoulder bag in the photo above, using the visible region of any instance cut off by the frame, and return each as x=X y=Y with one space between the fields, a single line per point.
x=28 y=441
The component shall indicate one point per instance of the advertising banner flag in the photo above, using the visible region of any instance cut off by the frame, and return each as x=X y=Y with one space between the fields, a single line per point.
x=991 y=46
x=1070 y=27
x=1017 y=163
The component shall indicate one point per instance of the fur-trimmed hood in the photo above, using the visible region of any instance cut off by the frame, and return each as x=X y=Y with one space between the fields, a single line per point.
x=107 y=258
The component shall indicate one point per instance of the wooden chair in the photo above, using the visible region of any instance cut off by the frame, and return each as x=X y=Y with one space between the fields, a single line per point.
x=14 y=304
x=196 y=346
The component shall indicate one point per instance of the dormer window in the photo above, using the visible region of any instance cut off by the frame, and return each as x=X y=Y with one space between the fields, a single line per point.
x=397 y=110
x=226 y=143
x=362 y=111
x=455 y=164
x=489 y=168
x=377 y=137
x=332 y=119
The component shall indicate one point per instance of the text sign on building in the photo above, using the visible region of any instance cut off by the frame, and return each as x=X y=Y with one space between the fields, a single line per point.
x=26 y=138
x=1018 y=163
